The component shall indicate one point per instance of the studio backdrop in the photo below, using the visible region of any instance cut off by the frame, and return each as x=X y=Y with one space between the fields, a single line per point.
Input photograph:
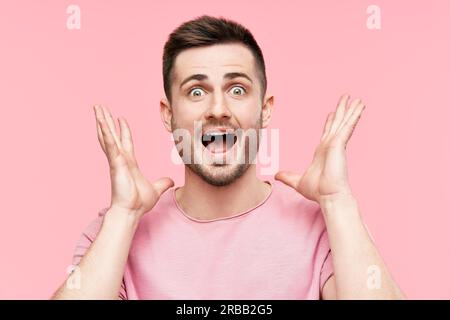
x=59 y=58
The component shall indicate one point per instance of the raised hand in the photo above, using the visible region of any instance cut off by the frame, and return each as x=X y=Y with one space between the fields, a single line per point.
x=327 y=173
x=130 y=190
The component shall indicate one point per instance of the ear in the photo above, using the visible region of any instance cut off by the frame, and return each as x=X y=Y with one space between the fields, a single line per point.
x=267 y=110
x=166 y=113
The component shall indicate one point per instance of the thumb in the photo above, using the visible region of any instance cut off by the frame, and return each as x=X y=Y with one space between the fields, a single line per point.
x=289 y=178
x=161 y=185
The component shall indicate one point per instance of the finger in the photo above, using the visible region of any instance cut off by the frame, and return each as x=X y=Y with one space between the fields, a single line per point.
x=349 y=126
x=289 y=178
x=100 y=137
x=127 y=143
x=125 y=136
x=327 y=126
x=349 y=112
x=162 y=185
x=112 y=126
x=99 y=130
x=112 y=151
x=340 y=110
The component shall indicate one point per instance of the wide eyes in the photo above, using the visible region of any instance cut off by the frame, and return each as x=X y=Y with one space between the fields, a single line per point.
x=235 y=90
x=196 y=92
x=238 y=90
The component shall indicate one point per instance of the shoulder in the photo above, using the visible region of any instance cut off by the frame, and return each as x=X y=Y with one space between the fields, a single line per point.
x=292 y=205
x=289 y=199
x=93 y=227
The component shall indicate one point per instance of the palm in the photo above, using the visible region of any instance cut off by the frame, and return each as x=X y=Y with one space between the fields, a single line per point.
x=327 y=173
x=130 y=190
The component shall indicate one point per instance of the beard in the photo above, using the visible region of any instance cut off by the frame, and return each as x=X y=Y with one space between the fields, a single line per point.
x=223 y=173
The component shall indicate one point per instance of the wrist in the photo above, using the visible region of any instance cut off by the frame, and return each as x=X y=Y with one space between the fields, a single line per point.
x=337 y=197
x=341 y=204
x=120 y=217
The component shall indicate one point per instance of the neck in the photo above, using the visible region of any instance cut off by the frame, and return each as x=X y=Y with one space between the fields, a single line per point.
x=203 y=201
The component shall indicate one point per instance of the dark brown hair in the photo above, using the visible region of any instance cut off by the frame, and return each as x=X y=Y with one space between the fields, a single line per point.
x=206 y=31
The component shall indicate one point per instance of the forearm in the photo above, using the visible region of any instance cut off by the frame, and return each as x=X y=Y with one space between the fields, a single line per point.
x=101 y=269
x=354 y=254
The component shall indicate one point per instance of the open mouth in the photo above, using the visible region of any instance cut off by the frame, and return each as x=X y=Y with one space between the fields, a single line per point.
x=219 y=142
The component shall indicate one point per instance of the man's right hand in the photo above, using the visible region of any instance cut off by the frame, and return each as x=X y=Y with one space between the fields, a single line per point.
x=130 y=190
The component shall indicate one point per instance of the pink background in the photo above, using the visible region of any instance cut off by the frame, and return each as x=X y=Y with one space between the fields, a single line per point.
x=54 y=176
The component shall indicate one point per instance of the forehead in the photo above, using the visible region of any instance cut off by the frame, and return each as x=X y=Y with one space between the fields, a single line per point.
x=220 y=58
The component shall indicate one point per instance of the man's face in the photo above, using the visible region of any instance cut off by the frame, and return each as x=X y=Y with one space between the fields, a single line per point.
x=216 y=96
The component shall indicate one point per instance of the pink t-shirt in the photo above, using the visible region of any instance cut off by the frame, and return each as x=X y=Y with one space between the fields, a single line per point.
x=276 y=250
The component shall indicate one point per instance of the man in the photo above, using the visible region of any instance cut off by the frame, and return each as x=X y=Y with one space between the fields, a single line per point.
x=225 y=234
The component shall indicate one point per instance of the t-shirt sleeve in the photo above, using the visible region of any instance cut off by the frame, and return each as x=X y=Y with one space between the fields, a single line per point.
x=84 y=242
x=327 y=269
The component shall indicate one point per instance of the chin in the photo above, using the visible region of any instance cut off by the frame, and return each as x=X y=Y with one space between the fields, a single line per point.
x=219 y=175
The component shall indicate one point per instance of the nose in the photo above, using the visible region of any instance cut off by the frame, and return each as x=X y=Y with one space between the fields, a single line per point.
x=218 y=109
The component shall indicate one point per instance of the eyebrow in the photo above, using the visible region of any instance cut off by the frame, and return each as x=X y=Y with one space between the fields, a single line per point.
x=228 y=76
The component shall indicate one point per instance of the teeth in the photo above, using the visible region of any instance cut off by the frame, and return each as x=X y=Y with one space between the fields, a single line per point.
x=209 y=137
x=219 y=133
x=214 y=134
